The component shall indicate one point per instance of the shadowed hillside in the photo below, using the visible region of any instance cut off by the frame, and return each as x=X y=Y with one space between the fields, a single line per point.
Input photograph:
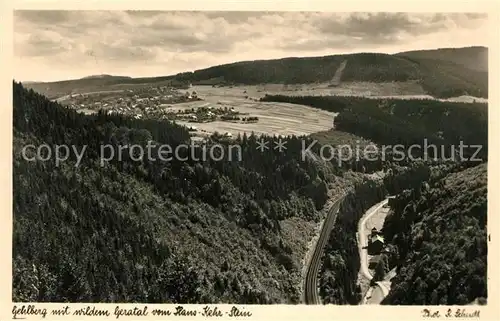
x=438 y=233
x=147 y=230
x=475 y=58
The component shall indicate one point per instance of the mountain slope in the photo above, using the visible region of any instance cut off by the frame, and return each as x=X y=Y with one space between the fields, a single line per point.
x=86 y=84
x=105 y=76
x=196 y=231
x=440 y=78
x=441 y=73
x=286 y=70
x=375 y=67
x=392 y=122
x=448 y=79
x=438 y=237
x=475 y=58
x=182 y=231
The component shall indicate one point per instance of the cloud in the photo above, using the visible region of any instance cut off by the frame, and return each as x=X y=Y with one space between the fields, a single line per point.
x=370 y=29
x=41 y=17
x=189 y=39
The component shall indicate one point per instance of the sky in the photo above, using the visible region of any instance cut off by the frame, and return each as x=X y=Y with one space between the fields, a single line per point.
x=59 y=45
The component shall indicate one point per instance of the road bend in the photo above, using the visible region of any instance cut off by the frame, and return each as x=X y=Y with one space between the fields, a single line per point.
x=363 y=253
x=311 y=295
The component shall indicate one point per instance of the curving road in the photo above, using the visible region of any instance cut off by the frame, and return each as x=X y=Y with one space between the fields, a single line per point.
x=311 y=295
x=362 y=240
x=363 y=252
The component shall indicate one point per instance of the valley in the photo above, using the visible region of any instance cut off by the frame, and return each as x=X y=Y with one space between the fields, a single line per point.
x=271 y=228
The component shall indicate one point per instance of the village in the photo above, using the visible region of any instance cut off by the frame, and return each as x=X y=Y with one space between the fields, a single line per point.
x=208 y=114
x=156 y=102
x=137 y=102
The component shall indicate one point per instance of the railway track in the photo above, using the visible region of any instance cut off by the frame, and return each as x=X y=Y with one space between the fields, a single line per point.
x=311 y=295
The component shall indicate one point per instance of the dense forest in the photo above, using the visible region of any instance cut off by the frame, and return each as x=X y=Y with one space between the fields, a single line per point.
x=394 y=122
x=441 y=73
x=475 y=57
x=155 y=231
x=341 y=263
x=438 y=201
x=235 y=231
x=438 y=232
x=438 y=77
x=447 y=79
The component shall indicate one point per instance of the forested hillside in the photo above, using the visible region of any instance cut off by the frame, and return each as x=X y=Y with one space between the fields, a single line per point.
x=337 y=281
x=450 y=72
x=438 y=77
x=286 y=70
x=407 y=122
x=375 y=67
x=200 y=230
x=475 y=58
x=448 y=79
x=437 y=231
x=153 y=231
x=439 y=237
x=441 y=73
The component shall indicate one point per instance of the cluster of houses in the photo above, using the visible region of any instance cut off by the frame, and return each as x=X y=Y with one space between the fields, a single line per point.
x=208 y=114
x=138 y=102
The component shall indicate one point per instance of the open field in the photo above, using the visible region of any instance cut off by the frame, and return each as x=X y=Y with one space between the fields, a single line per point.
x=394 y=89
x=283 y=118
x=274 y=118
x=277 y=118
x=344 y=89
x=398 y=90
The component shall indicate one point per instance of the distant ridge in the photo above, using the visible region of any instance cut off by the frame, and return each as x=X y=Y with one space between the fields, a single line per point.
x=105 y=76
x=442 y=73
x=31 y=82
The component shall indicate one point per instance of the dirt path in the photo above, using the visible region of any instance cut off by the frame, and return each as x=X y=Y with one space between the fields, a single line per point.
x=338 y=73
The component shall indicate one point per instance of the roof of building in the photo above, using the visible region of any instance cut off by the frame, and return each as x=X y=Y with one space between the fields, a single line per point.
x=377 y=238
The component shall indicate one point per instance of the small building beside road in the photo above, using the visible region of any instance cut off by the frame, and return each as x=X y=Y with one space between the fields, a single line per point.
x=375 y=244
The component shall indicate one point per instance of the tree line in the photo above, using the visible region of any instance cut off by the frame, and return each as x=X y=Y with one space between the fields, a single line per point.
x=154 y=231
